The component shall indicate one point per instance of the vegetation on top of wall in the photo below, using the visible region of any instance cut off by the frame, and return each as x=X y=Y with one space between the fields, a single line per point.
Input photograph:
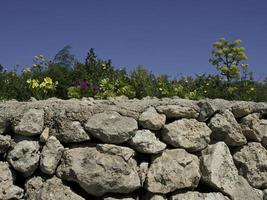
x=64 y=77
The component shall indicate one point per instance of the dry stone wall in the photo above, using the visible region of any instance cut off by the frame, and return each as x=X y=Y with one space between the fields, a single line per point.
x=149 y=149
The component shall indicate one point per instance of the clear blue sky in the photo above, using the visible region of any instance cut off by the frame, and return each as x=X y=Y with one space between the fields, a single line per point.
x=166 y=36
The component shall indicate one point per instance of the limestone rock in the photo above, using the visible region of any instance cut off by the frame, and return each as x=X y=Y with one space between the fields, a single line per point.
x=8 y=191
x=25 y=157
x=111 y=127
x=118 y=198
x=70 y=131
x=44 y=135
x=51 y=189
x=179 y=111
x=265 y=194
x=251 y=161
x=142 y=171
x=225 y=128
x=151 y=196
x=31 y=123
x=264 y=138
x=51 y=155
x=145 y=141
x=199 y=196
x=243 y=108
x=151 y=119
x=108 y=173
x=219 y=172
x=173 y=169
x=252 y=127
x=5 y=143
x=189 y=134
x=3 y=124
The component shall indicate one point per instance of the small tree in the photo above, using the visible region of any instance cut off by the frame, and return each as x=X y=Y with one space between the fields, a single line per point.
x=64 y=58
x=229 y=59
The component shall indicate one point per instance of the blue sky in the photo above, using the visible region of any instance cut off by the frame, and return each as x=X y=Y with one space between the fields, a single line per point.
x=167 y=36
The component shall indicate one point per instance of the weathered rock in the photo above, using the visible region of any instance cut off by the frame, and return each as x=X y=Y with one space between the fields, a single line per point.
x=8 y=191
x=111 y=127
x=31 y=123
x=199 y=196
x=25 y=157
x=70 y=131
x=44 y=135
x=172 y=170
x=225 y=128
x=265 y=194
x=252 y=127
x=179 y=111
x=51 y=155
x=251 y=162
x=3 y=124
x=151 y=119
x=243 y=108
x=118 y=198
x=219 y=172
x=5 y=143
x=108 y=173
x=189 y=134
x=151 y=196
x=264 y=138
x=145 y=141
x=142 y=171
x=51 y=189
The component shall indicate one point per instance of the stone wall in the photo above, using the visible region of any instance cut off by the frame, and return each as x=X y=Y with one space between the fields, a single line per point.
x=133 y=149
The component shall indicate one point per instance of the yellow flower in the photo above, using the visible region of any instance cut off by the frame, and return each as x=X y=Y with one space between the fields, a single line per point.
x=252 y=89
x=104 y=66
x=160 y=89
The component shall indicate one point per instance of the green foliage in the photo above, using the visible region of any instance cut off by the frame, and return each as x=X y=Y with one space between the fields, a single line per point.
x=229 y=58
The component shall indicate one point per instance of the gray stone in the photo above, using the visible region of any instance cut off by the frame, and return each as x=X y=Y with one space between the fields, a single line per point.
x=25 y=157
x=199 y=196
x=189 y=134
x=173 y=169
x=44 y=135
x=179 y=111
x=142 y=171
x=3 y=124
x=151 y=119
x=145 y=141
x=118 y=198
x=108 y=173
x=265 y=194
x=252 y=127
x=225 y=128
x=219 y=172
x=31 y=123
x=5 y=143
x=51 y=155
x=70 y=131
x=51 y=189
x=264 y=138
x=8 y=190
x=251 y=162
x=151 y=196
x=243 y=108
x=111 y=127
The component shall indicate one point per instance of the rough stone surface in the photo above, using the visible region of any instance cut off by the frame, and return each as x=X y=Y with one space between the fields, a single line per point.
x=5 y=143
x=151 y=196
x=172 y=170
x=118 y=198
x=111 y=127
x=51 y=155
x=25 y=157
x=51 y=189
x=251 y=161
x=31 y=123
x=44 y=135
x=108 y=173
x=142 y=171
x=265 y=194
x=8 y=191
x=189 y=134
x=252 y=127
x=179 y=111
x=145 y=141
x=225 y=128
x=151 y=119
x=70 y=131
x=199 y=196
x=219 y=172
x=3 y=124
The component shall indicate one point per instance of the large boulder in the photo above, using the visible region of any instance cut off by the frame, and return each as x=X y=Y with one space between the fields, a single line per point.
x=251 y=161
x=225 y=128
x=199 y=196
x=8 y=190
x=252 y=127
x=173 y=169
x=51 y=189
x=179 y=111
x=151 y=119
x=219 y=172
x=51 y=155
x=24 y=157
x=145 y=141
x=31 y=123
x=98 y=173
x=5 y=143
x=189 y=134
x=111 y=127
